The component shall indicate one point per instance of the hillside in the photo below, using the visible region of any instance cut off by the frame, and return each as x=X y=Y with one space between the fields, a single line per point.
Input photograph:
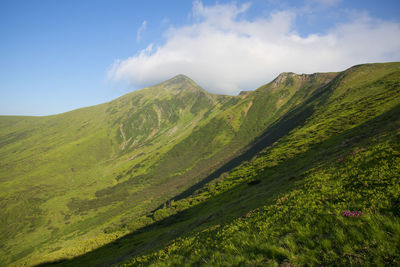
x=327 y=193
x=196 y=178
x=90 y=175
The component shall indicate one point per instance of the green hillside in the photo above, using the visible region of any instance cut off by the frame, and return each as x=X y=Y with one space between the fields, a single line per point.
x=75 y=181
x=171 y=174
x=327 y=193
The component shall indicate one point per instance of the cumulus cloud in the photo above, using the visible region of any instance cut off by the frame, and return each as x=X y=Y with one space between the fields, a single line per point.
x=226 y=54
x=141 y=29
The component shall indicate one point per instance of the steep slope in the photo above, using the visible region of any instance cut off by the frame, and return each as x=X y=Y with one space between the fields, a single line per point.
x=323 y=191
x=74 y=181
x=64 y=173
x=327 y=193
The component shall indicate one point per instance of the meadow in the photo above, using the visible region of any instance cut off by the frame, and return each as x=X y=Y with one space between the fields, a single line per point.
x=302 y=171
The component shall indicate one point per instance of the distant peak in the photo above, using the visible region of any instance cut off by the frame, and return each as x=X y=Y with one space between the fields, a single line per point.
x=284 y=76
x=180 y=83
x=180 y=78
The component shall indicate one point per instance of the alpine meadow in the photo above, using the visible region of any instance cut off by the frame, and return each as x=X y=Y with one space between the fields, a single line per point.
x=304 y=170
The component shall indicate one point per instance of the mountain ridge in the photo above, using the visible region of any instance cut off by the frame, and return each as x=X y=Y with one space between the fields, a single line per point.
x=174 y=81
x=98 y=173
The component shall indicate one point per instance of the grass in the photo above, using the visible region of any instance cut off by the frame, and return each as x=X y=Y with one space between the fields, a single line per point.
x=307 y=180
x=258 y=176
x=93 y=173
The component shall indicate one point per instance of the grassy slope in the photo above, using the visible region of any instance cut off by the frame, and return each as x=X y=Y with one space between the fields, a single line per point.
x=75 y=181
x=345 y=157
x=48 y=161
x=335 y=149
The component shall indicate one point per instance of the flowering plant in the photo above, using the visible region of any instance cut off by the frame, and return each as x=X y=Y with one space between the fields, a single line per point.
x=352 y=213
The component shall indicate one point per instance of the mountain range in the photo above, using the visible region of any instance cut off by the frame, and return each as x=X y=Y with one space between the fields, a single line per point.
x=303 y=170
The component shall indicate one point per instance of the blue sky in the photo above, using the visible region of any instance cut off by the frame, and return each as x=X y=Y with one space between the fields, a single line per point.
x=60 y=55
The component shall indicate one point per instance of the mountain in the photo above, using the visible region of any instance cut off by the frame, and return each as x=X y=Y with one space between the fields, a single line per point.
x=87 y=172
x=209 y=179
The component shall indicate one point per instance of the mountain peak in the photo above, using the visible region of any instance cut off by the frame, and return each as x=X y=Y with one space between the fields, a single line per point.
x=180 y=82
x=286 y=77
x=179 y=79
x=283 y=77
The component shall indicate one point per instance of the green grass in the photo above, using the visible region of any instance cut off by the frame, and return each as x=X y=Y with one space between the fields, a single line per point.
x=306 y=181
x=78 y=180
x=298 y=149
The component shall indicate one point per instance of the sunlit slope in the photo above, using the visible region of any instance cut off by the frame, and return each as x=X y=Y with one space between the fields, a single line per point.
x=335 y=149
x=326 y=193
x=74 y=181
x=47 y=163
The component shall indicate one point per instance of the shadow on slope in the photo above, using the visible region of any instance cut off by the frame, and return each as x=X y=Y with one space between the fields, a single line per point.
x=291 y=120
x=229 y=205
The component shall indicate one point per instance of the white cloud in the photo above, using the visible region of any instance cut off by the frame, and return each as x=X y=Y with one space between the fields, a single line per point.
x=226 y=54
x=141 y=29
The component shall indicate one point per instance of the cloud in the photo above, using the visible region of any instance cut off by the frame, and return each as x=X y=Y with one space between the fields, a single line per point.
x=141 y=29
x=226 y=54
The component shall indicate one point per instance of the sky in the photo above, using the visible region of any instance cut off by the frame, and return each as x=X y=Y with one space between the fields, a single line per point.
x=57 y=56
